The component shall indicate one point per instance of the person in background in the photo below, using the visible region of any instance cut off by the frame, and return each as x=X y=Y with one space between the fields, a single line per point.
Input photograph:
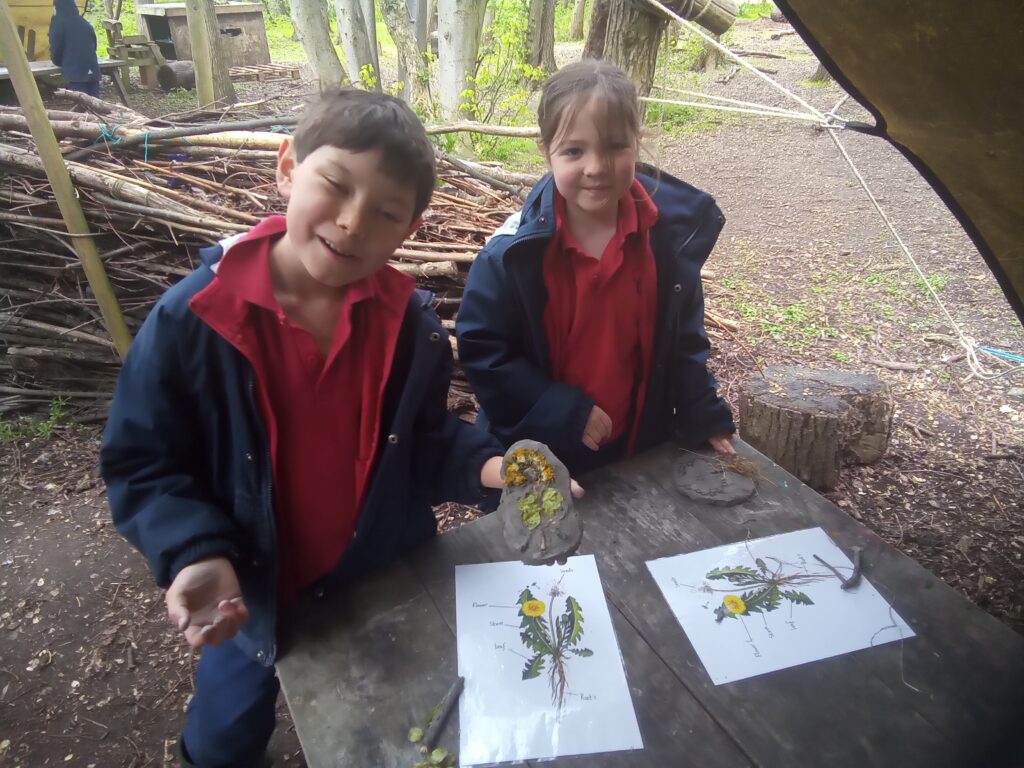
x=73 y=48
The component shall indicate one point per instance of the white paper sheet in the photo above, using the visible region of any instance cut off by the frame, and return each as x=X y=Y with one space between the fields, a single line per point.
x=809 y=617
x=503 y=716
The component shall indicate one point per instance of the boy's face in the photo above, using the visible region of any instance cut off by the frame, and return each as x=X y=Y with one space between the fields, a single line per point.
x=345 y=216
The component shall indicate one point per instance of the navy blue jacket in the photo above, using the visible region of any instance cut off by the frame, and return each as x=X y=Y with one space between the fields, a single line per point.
x=186 y=457
x=73 y=44
x=504 y=349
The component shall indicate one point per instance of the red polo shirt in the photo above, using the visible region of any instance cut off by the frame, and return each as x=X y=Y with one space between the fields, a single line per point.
x=600 y=314
x=322 y=413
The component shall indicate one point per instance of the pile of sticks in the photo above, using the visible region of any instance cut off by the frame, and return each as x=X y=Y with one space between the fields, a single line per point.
x=155 y=192
x=153 y=204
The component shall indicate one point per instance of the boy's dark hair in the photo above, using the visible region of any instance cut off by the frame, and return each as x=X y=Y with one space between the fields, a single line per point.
x=357 y=121
x=571 y=87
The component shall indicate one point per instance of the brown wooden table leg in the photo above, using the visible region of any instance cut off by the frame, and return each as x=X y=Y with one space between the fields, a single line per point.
x=115 y=74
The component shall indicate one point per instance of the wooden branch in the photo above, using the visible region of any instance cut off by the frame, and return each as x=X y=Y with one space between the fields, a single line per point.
x=429 y=269
x=893 y=366
x=461 y=258
x=468 y=126
x=443 y=710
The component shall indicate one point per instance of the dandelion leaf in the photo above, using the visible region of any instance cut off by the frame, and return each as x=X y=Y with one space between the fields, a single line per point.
x=551 y=502
x=525 y=595
x=584 y=652
x=797 y=597
x=530 y=511
x=762 y=600
x=415 y=735
x=534 y=667
x=737 y=574
x=575 y=614
x=438 y=756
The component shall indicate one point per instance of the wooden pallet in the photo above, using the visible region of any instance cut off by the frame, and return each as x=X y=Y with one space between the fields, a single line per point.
x=265 y=73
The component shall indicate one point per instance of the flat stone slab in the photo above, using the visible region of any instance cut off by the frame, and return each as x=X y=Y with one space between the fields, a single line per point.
x=704 y=478
x=538 y=519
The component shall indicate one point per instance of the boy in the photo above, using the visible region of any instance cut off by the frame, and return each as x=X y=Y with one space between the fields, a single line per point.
x=280 y=424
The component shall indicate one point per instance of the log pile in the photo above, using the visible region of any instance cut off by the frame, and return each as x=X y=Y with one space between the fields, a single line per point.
x=153 y=205
x=154 y=193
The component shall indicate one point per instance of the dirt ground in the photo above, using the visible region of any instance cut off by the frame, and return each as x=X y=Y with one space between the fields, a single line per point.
x=91 y=675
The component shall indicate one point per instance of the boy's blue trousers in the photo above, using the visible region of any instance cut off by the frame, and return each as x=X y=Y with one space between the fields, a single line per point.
x=231 y=716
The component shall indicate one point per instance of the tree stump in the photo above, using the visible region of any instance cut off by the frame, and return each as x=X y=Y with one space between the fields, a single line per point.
x=810 y=421
x=179 y=73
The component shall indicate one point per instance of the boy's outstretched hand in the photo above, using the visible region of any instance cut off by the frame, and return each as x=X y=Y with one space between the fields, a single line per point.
x=598 y=428
x=205 y=602
x=723 y=444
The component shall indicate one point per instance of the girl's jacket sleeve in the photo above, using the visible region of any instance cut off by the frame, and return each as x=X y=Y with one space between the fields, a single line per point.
x=517 y=397
x=151 y=453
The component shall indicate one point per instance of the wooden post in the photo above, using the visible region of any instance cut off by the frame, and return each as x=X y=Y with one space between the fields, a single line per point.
x=49 y=152
x=213 y=83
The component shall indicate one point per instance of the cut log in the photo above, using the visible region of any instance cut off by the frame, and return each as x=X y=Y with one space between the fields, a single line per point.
x=810 y=421
x=716 y=16
x=177 y=74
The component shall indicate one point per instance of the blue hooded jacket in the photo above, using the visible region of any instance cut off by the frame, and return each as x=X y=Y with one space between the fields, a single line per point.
x=504 y=351
x=73 y=44
x=186 y=456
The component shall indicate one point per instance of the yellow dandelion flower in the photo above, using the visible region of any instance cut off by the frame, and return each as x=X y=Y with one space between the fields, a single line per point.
x=533 y=608
x=548 y=474
x=734 y=604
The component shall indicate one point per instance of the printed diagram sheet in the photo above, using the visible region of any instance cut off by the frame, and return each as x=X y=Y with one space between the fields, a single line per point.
x=767 y=604
x=544 y=675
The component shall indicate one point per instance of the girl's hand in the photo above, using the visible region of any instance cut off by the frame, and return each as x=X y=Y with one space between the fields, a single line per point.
x=205 y=602
x=598 y=429
x=723 y=444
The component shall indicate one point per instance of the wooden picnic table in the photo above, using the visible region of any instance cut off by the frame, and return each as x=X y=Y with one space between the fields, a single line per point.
x=363 y=667
x=47 y=69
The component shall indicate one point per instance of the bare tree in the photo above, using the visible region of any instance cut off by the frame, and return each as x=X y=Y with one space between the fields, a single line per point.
x=310 y=19
x=213 y=81
x=631 y=41
x=540 y=35
x=354 y=34
x=579 y=12
x=410 y=56
x=458 y=26
x=594 y=47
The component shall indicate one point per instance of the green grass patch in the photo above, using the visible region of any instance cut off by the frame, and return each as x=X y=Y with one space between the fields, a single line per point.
x=755 y=10
x=938 y=282
x=15 y=430
x=280 y=34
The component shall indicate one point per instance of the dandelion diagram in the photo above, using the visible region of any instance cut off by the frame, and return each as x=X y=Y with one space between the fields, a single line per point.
x=763 y=605
x=543 y=671
x=551 y=638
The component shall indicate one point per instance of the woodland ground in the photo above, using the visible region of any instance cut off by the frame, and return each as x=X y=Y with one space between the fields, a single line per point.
x=90 y=673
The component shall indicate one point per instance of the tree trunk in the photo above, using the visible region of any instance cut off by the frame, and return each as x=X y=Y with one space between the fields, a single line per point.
x=410 y=59
x=276 y=8
x=594 y=47
x=213 y=83
x=809 y=421
x=709 y=58
x=353 y=29
x=310 y=19
x=176 y=74
x=579 y=12
x=108 y=9
x=631 y=42
x=458 y=26
x=540 y=35
x=821 y=75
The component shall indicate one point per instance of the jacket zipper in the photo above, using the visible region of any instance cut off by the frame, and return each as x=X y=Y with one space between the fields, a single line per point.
x=268 y=510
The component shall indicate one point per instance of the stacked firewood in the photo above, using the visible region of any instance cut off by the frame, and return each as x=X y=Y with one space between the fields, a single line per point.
x=152 y=205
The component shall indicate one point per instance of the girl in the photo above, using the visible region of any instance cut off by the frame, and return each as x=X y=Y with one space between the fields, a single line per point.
x=582 y=321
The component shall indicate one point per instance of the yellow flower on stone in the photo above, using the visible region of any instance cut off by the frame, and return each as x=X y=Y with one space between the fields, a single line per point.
x=533 y=608
x=548 y=474
x=734 y=604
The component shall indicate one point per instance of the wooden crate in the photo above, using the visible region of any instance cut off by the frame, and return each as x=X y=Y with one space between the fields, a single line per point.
x=264 y=73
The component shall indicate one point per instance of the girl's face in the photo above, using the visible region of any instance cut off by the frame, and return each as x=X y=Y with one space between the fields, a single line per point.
x=593 y=164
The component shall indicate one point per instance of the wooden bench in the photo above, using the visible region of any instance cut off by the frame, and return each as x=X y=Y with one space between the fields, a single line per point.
x=47 y=70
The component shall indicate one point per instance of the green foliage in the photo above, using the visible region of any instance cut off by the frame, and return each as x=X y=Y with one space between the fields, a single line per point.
x=841 y=356
x=281 y=39
x=367 y=77
x=551 y=502
x=10 y=431
x=530 y=510
x=938 y=281
x=416 y=735
x=755 y=10
x=551 y=642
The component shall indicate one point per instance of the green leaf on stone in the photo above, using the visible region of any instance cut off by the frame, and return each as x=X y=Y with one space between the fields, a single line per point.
x=551 y=501
x=530 y=511
x=415 y=735
x=438 y=756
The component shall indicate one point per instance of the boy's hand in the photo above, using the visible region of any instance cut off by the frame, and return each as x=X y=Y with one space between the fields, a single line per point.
x=598 y=429
x=723 y=444
x=205 y=602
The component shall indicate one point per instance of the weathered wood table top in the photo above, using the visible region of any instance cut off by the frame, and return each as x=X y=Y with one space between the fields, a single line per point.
x=365 y=667
x=44 y=68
